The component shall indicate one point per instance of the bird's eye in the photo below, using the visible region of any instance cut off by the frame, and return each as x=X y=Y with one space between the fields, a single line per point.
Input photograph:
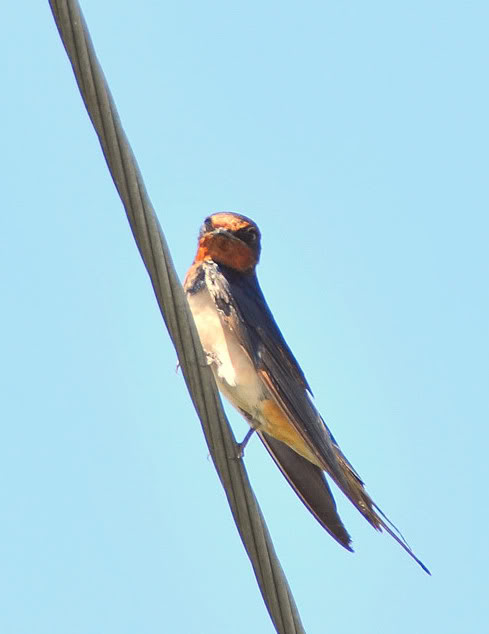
x=248 y=235
x=251 y=234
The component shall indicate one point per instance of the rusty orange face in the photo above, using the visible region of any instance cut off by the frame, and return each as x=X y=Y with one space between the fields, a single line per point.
x=230 y=239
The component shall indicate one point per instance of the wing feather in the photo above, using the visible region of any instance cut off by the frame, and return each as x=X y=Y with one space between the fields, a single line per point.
x=242 y=305
x=310 y=485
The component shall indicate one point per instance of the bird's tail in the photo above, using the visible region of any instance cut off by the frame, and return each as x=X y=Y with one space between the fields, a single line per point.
x=356 y=493
x=310 y=484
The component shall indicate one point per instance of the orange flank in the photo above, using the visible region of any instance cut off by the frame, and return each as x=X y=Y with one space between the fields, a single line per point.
x=276 y=424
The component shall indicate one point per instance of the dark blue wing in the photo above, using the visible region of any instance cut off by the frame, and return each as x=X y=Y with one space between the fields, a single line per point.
x=241 y=303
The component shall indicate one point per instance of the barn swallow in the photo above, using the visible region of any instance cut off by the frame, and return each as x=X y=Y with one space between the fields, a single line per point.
x=256 y=371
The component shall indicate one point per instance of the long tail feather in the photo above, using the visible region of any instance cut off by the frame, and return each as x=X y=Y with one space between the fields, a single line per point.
x=357 y=494
x=309 y=483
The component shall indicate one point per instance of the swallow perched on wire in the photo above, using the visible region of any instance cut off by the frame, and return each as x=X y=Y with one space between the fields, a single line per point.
x=256 y=371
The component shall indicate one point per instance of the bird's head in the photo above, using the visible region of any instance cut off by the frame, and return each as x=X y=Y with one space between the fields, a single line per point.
x=231 y=240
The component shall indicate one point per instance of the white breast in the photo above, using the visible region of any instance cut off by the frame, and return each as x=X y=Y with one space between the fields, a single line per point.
x=235 y=374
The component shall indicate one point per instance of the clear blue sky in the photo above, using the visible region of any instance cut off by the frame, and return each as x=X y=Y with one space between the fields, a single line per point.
x=356 y=135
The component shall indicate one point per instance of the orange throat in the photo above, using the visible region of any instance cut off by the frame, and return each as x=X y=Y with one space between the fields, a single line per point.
x=224 y=250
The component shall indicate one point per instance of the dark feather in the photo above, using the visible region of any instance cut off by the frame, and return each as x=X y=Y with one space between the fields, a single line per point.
x=251 y=320
x=242 y=306
x=309 y=483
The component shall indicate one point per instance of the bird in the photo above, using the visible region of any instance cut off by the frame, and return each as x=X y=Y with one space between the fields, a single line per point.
x=256 y=371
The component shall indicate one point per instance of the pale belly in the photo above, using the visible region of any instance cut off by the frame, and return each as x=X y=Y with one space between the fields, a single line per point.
x=237 y=378
x=233 y=370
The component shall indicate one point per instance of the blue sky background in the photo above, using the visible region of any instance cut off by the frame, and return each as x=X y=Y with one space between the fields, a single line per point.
x=356 y=135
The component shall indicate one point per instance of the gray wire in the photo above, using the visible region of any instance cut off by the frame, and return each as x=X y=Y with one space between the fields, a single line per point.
x=173 y=305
